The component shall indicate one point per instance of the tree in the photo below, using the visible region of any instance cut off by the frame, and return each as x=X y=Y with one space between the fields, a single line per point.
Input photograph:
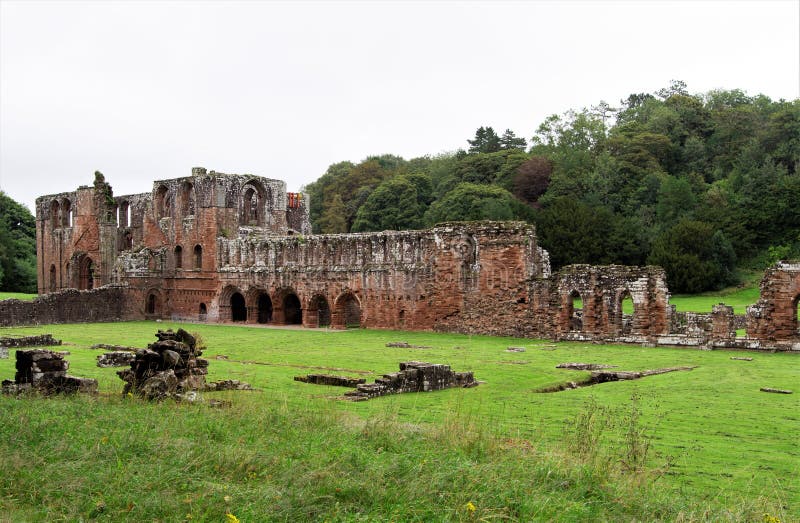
x=695 y=256
x=397 y=203
x=333 y=218
x=486 y=141
x=17 y=247
x=532 y=179
x=469 y=201
x=510 y=141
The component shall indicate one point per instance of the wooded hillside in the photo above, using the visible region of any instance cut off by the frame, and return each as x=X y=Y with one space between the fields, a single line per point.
x=696 y=183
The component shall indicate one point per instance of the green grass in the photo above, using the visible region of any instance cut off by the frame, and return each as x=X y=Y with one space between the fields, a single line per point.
x=718 y=448
x=17 y=296
x=739 y=299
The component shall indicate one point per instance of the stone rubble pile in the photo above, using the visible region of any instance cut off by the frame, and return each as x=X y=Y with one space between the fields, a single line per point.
x=226 y=385
x=45 y=371
x=414 y=376
x=167 y=367
x=40 y=340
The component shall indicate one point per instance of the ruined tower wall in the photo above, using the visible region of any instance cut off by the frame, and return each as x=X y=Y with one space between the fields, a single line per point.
x=774 y=317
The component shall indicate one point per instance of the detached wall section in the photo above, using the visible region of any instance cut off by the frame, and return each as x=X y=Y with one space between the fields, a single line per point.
x=109 y=303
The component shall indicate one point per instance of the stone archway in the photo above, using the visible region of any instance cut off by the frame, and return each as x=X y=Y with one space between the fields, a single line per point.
x=347 y=311
x=264 y=307
x=319 y=312
x=292 y=310
x=86 y=273
x=238 y=307
x=152 y=304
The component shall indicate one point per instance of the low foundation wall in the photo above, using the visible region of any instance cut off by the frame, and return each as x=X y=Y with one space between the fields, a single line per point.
x=108 y=303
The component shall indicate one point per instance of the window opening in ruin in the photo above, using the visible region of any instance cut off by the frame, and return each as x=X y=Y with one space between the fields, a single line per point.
x=128 y=241
x=187 y=199
x=86 y=277
x=626 y=312
x=250 y=207
x=203 y=312
x=54 y=215
x=238 y=308
x=320 y=304
x=52 y=278
x=151 y=303
x=178 y=257
x=575 y=304
x=350 y=311
x=292 y=311
x=66 y=213
x=198 y=257
x=264 y=308
x=161 y=202
x=123 y=214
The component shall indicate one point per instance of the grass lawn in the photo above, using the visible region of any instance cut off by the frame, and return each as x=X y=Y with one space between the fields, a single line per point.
x=739 y=299
x=17 y=296
x=697 y=445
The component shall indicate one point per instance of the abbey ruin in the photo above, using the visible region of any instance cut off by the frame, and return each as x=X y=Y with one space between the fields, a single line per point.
x=216 y=247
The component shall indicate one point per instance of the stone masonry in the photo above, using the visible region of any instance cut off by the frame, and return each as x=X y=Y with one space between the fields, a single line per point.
x=236 y=248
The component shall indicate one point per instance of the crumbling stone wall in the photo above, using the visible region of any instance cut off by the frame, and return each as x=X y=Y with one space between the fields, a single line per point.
x=45 y=371
x=601 y=291
x=414 y=376
x=41 y=340
x=109 y=303
x=774 y=317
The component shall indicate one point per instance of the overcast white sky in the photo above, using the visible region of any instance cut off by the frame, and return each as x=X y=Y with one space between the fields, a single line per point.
x=146 y=90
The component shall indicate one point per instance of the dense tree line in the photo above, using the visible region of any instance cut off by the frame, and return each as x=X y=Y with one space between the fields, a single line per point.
x=17 y=247
x=698 y=184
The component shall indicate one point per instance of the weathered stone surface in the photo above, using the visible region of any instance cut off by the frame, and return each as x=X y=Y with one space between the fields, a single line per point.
x=225 y=247
x=584 y=366
x=227 y=385
x=45 y=372
x=776 y=391
x=414 y=376
x=41 y=340
x=3 y=353
x=329 y=379
x=115 y=359
x=166 y=367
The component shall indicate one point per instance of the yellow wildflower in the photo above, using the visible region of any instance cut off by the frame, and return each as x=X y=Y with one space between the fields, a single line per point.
x=230 y=518
x=470 y=507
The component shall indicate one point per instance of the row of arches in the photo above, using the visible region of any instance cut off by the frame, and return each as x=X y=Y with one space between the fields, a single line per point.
x=623 y=312
x=165 y=201
x=285 y=307
x=60 y=213
x=83 y=280
x=197 y=257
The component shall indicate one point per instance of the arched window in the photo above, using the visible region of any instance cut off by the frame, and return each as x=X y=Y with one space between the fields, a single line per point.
x=152 y=303
x=52 y=278
x=254 y=204
x=55 y=218
x=198 y=257
x=123 y=214
x=187 y=199
x=66 y=213
x=161 y=202
x=626 y=312
x=178 y=257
